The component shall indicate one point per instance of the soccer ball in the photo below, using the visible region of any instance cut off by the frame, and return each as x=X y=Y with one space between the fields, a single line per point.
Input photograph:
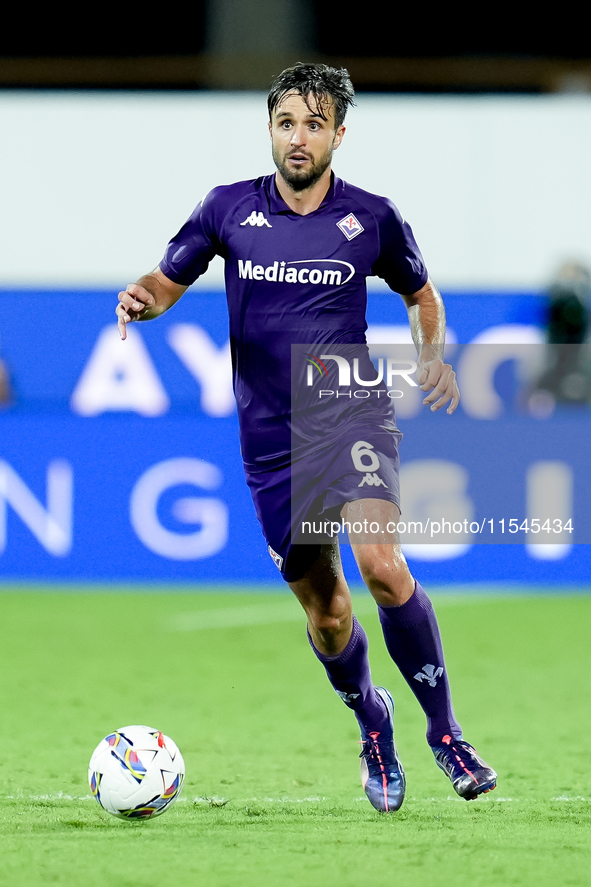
x=136 y=772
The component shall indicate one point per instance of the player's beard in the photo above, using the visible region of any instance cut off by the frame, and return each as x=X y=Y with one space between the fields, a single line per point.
x=301 y=179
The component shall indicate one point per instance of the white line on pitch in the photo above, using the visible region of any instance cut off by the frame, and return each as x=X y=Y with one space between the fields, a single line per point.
x=287 y=610
x=63 y=796
x=237 y=617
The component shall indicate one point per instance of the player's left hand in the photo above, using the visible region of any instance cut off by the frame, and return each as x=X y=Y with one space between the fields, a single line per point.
x=440 y=379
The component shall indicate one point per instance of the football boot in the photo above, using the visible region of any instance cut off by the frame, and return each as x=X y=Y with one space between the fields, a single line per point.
x=469 y=774
x=382 y=775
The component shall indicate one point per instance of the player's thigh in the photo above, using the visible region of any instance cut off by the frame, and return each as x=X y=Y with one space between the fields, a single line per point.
x=373 y=534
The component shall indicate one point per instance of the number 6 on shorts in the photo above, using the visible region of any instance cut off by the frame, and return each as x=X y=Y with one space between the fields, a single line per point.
x=361 y=450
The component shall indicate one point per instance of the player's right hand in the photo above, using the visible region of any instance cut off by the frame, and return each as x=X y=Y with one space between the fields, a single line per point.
x=134 y=301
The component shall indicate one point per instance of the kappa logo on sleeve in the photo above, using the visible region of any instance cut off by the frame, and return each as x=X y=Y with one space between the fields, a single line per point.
x=255 y=220
x=350 y=226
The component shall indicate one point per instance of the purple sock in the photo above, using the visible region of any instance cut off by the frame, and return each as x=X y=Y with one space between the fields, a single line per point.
x=350 y=676
x=413 y=640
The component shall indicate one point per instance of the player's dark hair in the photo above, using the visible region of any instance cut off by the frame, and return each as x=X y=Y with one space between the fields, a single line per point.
x=321 y=82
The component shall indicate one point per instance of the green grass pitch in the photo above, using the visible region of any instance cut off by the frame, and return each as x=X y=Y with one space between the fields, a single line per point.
x=272 y=796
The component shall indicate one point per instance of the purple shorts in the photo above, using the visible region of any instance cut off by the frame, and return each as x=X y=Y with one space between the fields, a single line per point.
x=295 y=500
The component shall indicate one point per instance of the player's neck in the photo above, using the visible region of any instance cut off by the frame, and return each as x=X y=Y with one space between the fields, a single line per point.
x=307 y=201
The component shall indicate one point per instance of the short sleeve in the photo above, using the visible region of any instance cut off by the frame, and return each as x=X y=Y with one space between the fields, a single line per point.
x=189 y=253
x=400 y=262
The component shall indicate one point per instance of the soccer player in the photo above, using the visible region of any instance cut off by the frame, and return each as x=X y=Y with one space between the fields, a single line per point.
x=298 y=246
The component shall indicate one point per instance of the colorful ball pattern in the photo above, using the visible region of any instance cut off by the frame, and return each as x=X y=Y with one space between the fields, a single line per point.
x=136 y=772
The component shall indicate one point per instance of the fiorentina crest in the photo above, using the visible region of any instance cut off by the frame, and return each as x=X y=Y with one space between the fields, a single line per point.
x=350 y=226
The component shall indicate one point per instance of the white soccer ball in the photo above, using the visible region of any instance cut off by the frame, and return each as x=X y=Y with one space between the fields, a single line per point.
x=136 y=772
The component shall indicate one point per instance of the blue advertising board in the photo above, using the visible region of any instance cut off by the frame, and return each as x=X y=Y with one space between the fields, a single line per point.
x=121 y=461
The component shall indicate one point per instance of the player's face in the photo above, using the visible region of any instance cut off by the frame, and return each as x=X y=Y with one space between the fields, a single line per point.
x=302 y=140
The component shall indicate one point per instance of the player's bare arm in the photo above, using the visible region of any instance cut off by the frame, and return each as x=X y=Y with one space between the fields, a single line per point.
x=426 y=315
x=149 y=297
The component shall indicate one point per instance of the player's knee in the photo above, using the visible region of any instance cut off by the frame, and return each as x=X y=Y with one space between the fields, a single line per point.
x=388 y=578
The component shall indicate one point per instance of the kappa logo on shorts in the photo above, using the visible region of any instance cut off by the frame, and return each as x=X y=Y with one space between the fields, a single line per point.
x=277 y=559
x=372 y=480
x=350 y=226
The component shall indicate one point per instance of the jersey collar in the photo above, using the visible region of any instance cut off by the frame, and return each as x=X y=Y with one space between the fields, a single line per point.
x=278 y=206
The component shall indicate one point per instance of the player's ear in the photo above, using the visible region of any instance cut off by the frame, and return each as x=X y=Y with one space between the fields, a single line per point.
x=338 y=137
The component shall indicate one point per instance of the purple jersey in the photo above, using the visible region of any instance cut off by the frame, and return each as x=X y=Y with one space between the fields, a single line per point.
x=290 y=279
